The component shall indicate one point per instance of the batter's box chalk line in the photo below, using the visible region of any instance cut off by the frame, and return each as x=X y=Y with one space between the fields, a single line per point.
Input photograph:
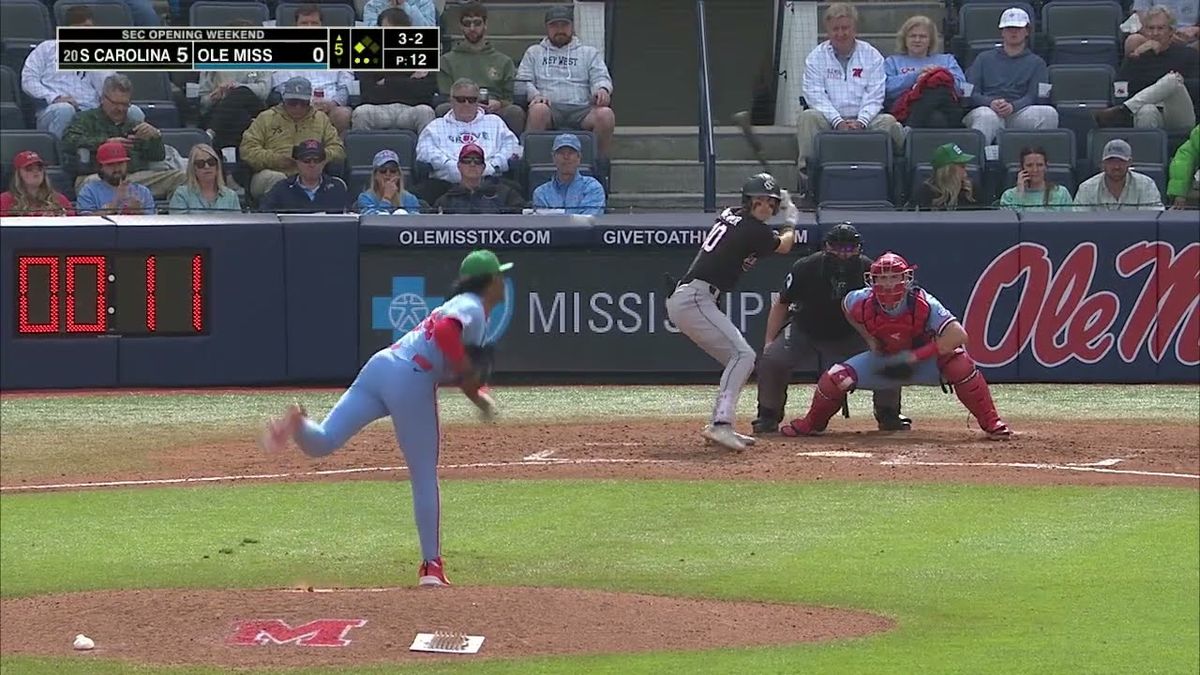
x=1101 y=466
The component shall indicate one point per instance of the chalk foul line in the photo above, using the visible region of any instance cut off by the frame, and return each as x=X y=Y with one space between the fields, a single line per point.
x=1101 y=466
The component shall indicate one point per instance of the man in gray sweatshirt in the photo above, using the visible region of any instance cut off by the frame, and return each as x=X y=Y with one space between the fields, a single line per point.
x=567 y=81
x=1006 y=83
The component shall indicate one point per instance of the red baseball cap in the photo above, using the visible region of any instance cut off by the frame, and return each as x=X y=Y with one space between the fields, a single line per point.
x=470 y=149
x=27 y=158
x=111 y=152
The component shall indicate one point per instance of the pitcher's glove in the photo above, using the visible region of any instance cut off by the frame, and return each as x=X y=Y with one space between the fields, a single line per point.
x=483 y=360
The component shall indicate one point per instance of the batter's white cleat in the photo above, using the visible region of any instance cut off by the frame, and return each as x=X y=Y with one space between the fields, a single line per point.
x=725 y=436
x=748 y=441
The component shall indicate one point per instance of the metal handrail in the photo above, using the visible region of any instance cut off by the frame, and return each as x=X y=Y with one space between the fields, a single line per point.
x=708 y=153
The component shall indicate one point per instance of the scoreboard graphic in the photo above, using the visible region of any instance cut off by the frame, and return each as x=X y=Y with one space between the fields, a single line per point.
x=235 y=48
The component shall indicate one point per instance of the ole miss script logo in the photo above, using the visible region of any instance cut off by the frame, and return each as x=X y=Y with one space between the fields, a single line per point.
x=1060 y=318
x=318 y=633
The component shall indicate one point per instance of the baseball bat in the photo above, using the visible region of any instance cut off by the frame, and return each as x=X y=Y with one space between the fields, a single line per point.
x=742 y=119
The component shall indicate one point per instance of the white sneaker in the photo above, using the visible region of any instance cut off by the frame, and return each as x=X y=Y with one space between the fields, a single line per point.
x=725 y=436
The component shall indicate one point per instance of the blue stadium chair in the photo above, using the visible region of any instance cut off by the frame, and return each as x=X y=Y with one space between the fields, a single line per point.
x=332 y=14
x=1083 y=31
x=1078 y=91
x=918 y=151
x=11 y=116
x=1150 y=153
x=184 y=139
x=25 y=20
x=220 y=13
x=852 y=166
x=13 y=52
x=104 y=12
x=11 y=94
x=153 y=94
x=1059 y=145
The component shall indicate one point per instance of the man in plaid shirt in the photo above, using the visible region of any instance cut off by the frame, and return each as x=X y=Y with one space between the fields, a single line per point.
x=843 y=84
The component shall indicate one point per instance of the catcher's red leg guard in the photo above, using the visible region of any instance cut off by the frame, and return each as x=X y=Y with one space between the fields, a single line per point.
x=972 y=389
x=831 y=390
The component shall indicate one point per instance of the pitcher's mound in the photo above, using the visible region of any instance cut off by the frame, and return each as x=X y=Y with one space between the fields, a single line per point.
x=350 y=626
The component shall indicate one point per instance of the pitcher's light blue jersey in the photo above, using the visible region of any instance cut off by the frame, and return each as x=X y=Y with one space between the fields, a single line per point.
x=419 y=347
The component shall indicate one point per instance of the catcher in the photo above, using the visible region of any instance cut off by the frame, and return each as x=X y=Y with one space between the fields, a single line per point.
x=913 y=339
x=813 y=293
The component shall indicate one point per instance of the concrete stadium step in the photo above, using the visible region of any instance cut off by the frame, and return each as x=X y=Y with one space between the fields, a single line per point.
x=779 y=143
x=651 y=202
x=644 y=175
x=505 y=18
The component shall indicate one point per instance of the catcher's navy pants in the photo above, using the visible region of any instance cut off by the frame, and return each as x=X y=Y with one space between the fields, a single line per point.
x=867 y=364
x=390 y=385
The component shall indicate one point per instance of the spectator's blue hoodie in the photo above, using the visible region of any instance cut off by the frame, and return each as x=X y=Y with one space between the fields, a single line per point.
x=902 y=71
x=1015 y=79
x=371 y=204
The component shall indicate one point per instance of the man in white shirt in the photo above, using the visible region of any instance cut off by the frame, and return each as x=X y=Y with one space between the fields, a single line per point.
x=844 y=83
x=1117 y=188
x=59 y=94
x=331 y=88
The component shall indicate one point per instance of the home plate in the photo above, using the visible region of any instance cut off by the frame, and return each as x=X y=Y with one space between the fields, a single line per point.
x=837 y=453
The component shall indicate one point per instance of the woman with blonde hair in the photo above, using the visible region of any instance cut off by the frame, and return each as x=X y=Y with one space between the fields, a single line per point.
x=923 y=85
x=949 y=187
x=30 y=193
x=387 y=195
x=205 y=187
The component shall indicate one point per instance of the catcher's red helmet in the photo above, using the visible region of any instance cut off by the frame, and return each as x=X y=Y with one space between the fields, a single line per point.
x=890 y=277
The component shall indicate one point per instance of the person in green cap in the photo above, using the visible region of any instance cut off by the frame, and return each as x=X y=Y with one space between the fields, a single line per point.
x=949 y=187
x=401 y=381
x=1032 y=191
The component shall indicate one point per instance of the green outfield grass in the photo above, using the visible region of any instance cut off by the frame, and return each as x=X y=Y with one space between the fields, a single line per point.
x=979 y=578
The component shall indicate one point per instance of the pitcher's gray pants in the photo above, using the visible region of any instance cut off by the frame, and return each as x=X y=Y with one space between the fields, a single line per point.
x=693 y=309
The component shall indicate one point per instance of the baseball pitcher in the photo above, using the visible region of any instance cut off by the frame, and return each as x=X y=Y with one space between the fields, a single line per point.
x=733 y=245
x=913 y=339
x=812 y=295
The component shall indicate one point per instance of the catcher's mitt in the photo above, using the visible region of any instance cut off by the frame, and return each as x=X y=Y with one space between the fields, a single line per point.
x=483 y=360
x=897 y=371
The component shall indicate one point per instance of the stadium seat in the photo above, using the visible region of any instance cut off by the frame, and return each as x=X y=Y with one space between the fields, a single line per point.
x=978 y=29
x=26 y=20
x=217 y=13
x=153 y=94
x=10 y=86
x=918 y=151
x=361 y=147
x=1059 y=145
x=1150 y=155
x=183 y=139
x=852 y=166
x=1077 y=92
x=331 y=14
x=13 y=52
x=539 y=156
x=1083 y=31
x=104 y=12
x=11 y=116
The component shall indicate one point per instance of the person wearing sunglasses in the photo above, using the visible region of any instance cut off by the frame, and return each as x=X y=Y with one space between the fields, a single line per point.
x=205 y=190
x=476 y=59
x=386 y=195
x=310 y=190
x=475 y=193
x=267 y=145
x=807 y=327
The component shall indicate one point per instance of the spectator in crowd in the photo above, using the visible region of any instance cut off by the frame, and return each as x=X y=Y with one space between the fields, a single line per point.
x=267 y=145
x=110 y=122
x=1006 y=80
x=205 y=189
x=1186 y=31
x=30 y=193
x=466 y=123
x=330 y=88
x=1032 y=191
x=142 y=12
x=567 y=82
x=387 y=195
x=114 y=193
x=421 y=12
x=949 y=188
x=1155 y=72
x=476 y=59
x=58 y=95
x=844 y=83
x=394 y=100
x=568 y=190
x=1117 y=187
x=476 y=194
x=309 y=191
x=927 y=81
x=1183 y=184
x=231 y=99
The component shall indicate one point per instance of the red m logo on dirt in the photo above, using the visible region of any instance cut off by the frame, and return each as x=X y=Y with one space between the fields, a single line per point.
x=319 y=633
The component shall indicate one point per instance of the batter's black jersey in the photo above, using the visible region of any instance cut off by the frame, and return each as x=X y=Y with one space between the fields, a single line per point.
x=815 y=288
x=732 y=246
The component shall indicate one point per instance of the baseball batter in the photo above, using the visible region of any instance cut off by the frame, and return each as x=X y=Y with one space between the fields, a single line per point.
x=401 y=381
x=913 y=339
x=812 y=297
x=738 y=238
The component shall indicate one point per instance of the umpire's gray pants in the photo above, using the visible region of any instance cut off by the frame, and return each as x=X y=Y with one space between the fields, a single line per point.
x=793 y=349
x=693 y=309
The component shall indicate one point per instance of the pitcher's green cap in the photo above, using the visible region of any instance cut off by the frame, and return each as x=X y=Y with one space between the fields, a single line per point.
x=950 y=153
x=483 y=261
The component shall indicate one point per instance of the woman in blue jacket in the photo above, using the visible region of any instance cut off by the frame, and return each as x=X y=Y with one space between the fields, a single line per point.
x=917 y=54
x=387 y=195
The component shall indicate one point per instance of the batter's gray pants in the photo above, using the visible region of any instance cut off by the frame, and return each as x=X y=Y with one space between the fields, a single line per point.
x=693 y=309
x=793 y=349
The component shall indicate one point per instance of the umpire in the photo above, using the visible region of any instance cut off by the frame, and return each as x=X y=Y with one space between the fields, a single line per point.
x=812 y=296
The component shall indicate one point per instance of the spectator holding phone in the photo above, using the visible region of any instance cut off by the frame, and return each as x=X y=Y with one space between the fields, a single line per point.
x=1032 y=191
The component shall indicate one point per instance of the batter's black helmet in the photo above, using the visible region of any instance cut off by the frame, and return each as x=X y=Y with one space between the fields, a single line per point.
x=843 y=233
x=761 y=185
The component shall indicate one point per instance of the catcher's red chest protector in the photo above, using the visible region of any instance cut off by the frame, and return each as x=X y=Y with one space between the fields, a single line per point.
x=896 y=333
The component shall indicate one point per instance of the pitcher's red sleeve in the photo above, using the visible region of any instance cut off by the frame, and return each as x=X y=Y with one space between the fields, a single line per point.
x=447 y=335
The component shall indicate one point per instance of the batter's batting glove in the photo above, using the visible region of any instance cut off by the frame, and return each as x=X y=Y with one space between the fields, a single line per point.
x=791 y=214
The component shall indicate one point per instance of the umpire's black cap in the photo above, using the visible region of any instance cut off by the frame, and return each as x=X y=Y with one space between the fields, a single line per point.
x=843 y=233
